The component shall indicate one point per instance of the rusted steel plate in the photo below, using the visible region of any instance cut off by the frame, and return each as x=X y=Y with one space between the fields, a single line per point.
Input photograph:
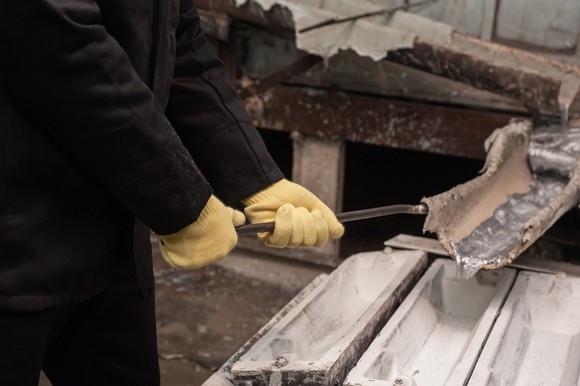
x=376 y=121
x=535 y=90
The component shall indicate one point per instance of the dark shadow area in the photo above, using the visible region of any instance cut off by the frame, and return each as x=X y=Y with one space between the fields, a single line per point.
x=279 y=145
x=378 y=176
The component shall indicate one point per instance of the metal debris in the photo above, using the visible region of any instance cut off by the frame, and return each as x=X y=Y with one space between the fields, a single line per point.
x=487 y=222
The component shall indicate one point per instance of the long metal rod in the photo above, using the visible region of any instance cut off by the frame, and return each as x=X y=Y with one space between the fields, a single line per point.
x=344 y=217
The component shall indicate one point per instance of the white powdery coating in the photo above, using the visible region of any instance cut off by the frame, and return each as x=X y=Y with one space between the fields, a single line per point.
x=435 y=335
x=327 y=320
x=536 y=339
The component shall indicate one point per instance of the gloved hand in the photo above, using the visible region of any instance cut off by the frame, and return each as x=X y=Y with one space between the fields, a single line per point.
x=301 y=219
x=211 y=237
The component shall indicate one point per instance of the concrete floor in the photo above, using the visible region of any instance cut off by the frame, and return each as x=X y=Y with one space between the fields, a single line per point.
x=205 y=315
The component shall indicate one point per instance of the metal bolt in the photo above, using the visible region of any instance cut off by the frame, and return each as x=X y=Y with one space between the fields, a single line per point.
x=280 y=362
x=399 y=382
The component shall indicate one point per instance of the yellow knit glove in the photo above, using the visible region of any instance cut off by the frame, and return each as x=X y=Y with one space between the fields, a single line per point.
x=211 y=237
x=301 y=219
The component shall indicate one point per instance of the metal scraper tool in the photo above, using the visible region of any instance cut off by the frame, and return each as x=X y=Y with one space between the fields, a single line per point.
x=344 y=217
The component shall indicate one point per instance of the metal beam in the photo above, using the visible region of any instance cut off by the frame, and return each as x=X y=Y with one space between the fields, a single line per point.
x=537 y=90
x=376 y=121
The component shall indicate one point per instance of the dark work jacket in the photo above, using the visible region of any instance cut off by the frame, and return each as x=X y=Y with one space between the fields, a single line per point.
x=104 y=106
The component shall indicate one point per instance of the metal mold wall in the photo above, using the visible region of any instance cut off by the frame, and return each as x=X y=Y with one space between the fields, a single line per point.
x=222 y=377
x=536 y=339
x=322 y=338
x=447 y=331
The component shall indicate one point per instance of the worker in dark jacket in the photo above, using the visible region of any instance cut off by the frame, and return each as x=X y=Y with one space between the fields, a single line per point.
x=104 y=107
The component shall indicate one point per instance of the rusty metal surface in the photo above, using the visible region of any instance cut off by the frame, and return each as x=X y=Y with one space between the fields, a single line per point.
x=319 y=341
x=357 y=118
x=418 y=42
x=535 y=90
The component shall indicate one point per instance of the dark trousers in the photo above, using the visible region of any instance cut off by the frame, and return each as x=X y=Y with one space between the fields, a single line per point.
x=109 y=339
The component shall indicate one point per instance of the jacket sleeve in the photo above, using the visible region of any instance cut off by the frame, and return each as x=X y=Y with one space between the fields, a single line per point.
x=62 y=70
x=212 y=120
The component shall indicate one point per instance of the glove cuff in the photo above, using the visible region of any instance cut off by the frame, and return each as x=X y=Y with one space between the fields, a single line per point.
x=273 y=192
x=212 y=205
x=202 y=242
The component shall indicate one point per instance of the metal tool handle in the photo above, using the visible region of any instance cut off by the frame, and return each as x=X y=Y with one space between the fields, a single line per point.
x=363 y=214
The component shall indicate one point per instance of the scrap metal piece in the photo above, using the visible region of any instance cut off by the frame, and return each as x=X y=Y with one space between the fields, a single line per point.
x=378 y=121
x=489 y=221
